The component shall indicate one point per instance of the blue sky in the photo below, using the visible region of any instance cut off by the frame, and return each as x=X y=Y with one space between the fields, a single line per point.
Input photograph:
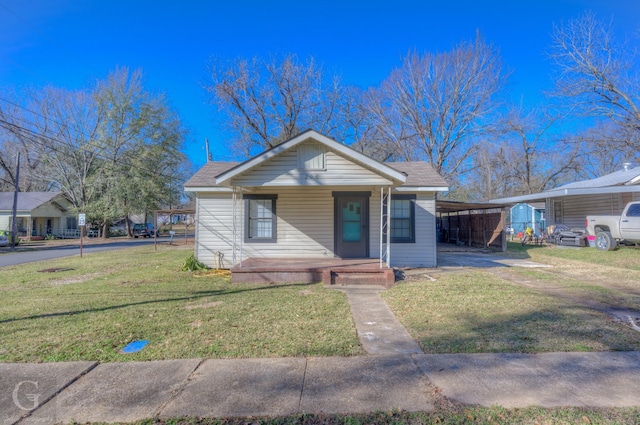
x=69 y=43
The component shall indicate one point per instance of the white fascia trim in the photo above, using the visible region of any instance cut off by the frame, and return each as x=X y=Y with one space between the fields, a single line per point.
x=207 y=189
x=330 y=143
x=633 y=181
x=421 y=189
x=567 y=192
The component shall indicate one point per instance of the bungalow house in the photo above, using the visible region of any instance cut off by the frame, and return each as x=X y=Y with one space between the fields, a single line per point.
x=313 y=199
x=38 y=214
x=571 y=203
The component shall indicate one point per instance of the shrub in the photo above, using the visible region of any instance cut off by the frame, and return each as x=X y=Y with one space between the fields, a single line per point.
x=192 y=265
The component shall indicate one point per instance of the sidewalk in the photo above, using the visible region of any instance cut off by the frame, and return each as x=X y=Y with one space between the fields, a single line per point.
x=125 y=392
x=394 y=375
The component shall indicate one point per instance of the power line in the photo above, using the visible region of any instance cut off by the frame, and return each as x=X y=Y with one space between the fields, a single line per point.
x=12 y=127
x=81 y=133
x=30 y=136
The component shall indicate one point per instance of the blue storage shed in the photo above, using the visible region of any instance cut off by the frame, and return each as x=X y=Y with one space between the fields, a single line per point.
x=528 y=215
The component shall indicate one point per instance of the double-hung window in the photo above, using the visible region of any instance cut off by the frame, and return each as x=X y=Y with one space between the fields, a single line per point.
x=403 y=219
x=260 y=218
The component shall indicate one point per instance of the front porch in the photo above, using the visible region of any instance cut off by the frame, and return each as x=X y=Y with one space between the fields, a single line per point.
x=330 y=271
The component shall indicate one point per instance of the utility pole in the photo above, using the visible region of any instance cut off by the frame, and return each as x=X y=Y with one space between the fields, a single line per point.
x=14 y=213
x=206 y=142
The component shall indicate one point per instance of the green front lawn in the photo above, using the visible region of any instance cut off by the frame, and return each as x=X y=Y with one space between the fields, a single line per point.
x=452 y=416
x=107 y=300
x=476 y=312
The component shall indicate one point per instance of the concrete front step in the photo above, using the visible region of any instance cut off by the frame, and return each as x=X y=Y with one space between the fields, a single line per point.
x=329 y=271
x=382 y=277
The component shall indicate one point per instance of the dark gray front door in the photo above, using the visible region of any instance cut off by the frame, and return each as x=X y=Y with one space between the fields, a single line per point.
x=352 y=225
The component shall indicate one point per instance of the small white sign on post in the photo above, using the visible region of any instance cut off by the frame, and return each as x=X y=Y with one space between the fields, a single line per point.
x=82 y=221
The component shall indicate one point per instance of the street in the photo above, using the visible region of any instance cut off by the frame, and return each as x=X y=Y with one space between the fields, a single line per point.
x=40 y=253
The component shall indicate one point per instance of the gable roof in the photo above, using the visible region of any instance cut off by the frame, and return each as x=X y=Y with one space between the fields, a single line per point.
x=333 y=145
x=622 y=181
x=27 y=201
x=206 y=176
x=618 y=178
x=420 y=174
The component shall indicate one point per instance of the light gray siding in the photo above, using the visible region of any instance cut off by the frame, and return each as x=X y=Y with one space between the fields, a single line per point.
x=305 y=227
x=576 y=208
x=422 y=253
x=214 y=228
x=5 y=220
x=284 y=170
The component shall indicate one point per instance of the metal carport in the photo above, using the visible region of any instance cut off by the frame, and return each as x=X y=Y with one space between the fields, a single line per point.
x=474 y=224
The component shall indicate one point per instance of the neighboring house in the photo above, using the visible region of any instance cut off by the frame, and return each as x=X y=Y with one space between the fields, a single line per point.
x=39 y=214
x=525 y=215
x=571 y=203
x=312 y=197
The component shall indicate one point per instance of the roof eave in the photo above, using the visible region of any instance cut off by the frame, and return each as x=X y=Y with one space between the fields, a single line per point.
x=207 y=189
x=422 y=188
x=567 y=192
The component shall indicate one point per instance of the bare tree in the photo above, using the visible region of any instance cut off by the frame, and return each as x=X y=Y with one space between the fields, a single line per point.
x=604 y=147
x=13 y=139
x=265 y=102
x=598 y=74
x=436 y=107
x=529 y=157
x=359 y=124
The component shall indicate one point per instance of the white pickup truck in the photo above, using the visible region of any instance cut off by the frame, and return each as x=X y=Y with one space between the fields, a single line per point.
x=608 y=230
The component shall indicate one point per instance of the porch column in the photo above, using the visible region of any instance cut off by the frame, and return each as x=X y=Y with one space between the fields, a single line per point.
x=241 y=227
x=388 y=226
x=382 y=222
x=233 y=227
x=385 y=242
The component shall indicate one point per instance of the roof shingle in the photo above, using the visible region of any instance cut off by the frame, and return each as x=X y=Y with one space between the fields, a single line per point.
x=27 y=201
x=419 y=174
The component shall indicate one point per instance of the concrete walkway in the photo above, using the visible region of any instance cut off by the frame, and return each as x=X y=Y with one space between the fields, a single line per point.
x=378 y=329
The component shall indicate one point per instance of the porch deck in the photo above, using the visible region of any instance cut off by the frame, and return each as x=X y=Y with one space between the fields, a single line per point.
x=330 y=271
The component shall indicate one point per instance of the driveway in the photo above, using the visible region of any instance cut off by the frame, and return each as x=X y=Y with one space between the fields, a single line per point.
x=449 y=260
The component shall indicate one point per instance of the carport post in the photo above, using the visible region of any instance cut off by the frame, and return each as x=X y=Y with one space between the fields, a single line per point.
x=484 y=228
x=503 y=221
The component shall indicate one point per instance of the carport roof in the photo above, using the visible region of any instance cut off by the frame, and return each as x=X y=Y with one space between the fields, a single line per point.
x=443 y=206
x=557 y=193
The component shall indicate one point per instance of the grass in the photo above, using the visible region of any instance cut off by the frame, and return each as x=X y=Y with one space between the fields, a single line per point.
x=452 y=416
x=627 y=258
x=96 y=305
x=104 y=301
x=476 y=312
x=609 y=277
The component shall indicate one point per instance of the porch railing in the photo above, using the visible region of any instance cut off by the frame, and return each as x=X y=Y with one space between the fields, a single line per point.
x=66 y=233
